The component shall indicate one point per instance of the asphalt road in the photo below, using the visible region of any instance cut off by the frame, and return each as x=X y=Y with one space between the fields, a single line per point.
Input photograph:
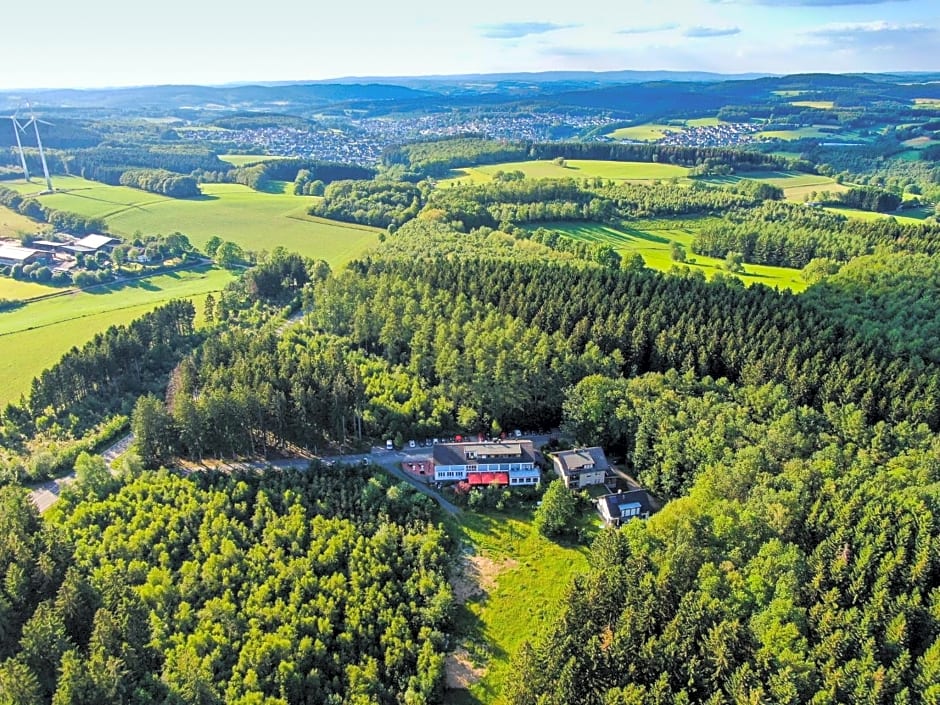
x=45 y=495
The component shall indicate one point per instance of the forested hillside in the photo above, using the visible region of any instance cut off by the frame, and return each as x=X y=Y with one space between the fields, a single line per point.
x=322 y=586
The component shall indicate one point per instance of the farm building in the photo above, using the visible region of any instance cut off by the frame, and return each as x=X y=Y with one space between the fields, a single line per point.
x=92 y=244
x=617 y=509
x=581 y=467
x=508 y=463
x=14 y=254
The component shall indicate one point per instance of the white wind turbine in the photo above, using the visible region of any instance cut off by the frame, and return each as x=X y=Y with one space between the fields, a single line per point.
x=17 y=129
x=34 y=121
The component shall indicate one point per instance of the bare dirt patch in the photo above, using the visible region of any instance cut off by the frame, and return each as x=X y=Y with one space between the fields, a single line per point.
x=460 y=671
x=476 y=576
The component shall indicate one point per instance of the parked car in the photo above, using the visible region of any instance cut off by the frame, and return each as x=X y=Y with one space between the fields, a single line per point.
x=389 y=445
x=412 y=444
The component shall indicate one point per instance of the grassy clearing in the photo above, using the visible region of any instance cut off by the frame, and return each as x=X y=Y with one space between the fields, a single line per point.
x=253 y=219
x=795 y=185
x=36 y=335
x=243 y=159
x=573 y=169
x=927 y=103
x=653 y=241
x=815 y=132
x=919 y=142
x=12 y=224
x=649 y=132
x=914 y=216
x=523 y=575
x=818 y=104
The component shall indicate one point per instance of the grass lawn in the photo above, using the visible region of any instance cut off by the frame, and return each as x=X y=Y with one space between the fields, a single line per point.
x=653 y=241
x=12 y=224
x=523 y=575
x=36 y=335
x=253 y=219
x=573 y=169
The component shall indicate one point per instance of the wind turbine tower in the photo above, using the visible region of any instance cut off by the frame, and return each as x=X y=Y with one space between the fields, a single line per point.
x=17 y=128
x=42 y=154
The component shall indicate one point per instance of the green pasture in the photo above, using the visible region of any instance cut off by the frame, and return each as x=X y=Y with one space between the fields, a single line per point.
x=526 y=575
x=814 y=132
x=243 y=159
x=36 y=335
x=15 y=290
x=653 y=241
x=795 y=184
x=650 y=132
x=255 y=220
x=908 y=217
x=12 y=224
x=818 y=104
x=573 y=169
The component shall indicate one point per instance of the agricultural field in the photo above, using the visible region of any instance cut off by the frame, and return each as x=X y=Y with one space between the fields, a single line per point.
x=522 y=575
x=795 y=185
x=243 y=159
x=653 y=240
x=919 y=142
x=812 y=132
x=16 y=290
x=573 y=169
x=12 y=224
x=36 y=335
x=818 y=104
x=930 y=103
x=649 y=132
x=909 y=217
x=252 y=219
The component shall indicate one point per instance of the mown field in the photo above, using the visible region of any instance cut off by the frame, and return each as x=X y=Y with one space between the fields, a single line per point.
x=652 y=131
x=818 y=104
x=523 y=575
x=653 y=240
x=243 y=159
x=814 y=131
x=12 y=224
x=794 y=184
x=252 y=219
x=573 y=169
x=15 y=290
x=36 y=335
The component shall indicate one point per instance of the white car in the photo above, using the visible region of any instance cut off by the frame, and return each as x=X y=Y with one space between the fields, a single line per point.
x=412 y=444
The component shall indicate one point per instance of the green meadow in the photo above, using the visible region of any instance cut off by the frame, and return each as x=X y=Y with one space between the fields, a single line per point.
x=16 y=290
x=523 y=576
x=243 y=159
x=573 y=169
x=12 y=224
x=818 y=104
x=653 y=240
x=35 y=335
x=652 y=131
x=795 y=185
x=254 y=220
x=814 y=132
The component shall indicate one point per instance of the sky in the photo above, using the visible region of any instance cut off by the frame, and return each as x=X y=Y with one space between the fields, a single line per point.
x=93 y=43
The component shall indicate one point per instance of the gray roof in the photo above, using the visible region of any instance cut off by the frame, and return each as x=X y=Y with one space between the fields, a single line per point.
x=614 y=502
x=16 y=253
x=568 y=461
x=501 y=452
